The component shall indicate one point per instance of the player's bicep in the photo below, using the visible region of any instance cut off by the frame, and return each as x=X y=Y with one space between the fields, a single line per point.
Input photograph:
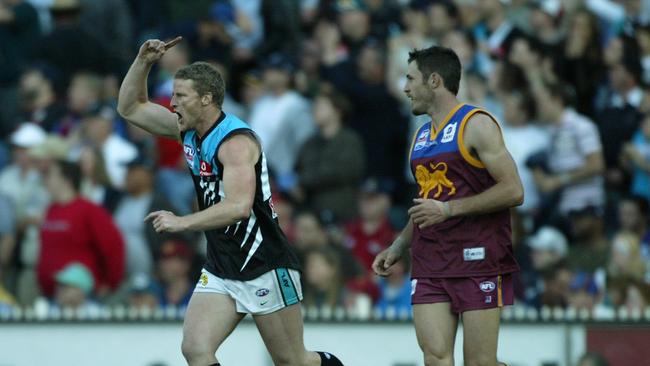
x=238 y=155
x=483 y=136
x=154 y=119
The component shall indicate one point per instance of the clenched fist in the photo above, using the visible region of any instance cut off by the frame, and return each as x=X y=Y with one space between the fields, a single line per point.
x=152 y=50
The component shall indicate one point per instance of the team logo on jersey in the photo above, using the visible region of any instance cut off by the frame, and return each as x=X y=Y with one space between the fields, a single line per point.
x=448 y=133
x=487 y=286
x=206 y=169
x=204 y=279
x=189 y=153
x=421 y=141
x=436 y=179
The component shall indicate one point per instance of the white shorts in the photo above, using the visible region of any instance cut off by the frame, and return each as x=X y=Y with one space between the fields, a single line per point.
x=265 y=294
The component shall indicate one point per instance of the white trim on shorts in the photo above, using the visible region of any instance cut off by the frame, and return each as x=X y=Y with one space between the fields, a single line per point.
x=268 y=293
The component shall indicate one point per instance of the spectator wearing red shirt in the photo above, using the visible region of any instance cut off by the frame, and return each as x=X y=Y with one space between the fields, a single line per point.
x=372 y=232
x=77 y=230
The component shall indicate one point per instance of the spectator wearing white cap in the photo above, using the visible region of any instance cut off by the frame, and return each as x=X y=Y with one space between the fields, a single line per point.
x=548 y=249
x=548 y=246
x=22 y=184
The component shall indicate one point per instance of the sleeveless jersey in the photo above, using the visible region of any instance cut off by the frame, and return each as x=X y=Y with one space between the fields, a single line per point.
x=251 y=247
x=444 y=170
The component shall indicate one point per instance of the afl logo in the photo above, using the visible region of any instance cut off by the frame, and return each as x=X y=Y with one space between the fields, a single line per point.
x=262 y=292
x=189 y=153
x=487 y=286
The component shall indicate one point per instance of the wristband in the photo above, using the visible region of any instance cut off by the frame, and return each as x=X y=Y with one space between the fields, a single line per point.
x=446 y=210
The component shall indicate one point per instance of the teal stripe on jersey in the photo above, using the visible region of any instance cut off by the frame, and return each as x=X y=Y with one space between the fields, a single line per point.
x=288 y=289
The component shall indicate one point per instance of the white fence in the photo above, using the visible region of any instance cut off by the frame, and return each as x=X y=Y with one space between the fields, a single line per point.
x=357 y=344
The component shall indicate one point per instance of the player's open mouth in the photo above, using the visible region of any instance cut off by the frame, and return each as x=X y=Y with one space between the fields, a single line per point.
x=180 y=116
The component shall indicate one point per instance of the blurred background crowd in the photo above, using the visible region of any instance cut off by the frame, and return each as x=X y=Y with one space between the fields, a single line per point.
x=321 y=83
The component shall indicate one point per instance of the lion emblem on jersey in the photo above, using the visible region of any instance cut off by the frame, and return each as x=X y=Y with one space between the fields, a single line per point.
x=434 y=179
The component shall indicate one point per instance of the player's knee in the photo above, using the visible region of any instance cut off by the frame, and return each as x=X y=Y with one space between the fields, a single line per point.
x=196 y=353
x=437 y=355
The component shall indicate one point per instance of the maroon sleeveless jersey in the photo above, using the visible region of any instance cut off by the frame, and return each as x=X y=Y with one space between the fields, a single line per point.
x=444 y=170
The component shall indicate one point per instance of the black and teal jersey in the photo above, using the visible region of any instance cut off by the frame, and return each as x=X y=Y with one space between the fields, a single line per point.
x=251 y=247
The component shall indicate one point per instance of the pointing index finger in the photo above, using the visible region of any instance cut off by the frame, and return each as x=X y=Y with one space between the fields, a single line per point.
x=151 y=215
x=173 y=42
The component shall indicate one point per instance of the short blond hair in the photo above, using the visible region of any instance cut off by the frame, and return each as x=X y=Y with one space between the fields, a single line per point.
x=207 y=79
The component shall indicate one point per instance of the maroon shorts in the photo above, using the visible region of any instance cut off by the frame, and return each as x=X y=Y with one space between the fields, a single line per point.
x=465 y=293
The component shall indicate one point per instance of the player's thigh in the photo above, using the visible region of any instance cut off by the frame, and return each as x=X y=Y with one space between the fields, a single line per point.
x=209 y=319
x=435 y=328
x=481 y=335
x=282 y=332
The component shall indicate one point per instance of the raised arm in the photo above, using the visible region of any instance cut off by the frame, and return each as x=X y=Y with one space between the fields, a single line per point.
x=133 y=103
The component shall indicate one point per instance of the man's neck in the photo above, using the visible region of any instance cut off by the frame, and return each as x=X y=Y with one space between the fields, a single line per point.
x=442 y=109
x=557 y=118
x=331 y=129
x=65 y=197
x=278 y=92
x=371 y=226
x=208 y=119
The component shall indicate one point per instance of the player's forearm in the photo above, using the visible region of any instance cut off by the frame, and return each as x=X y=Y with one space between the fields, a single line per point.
x=221 y=215
x=403 y=240
x=501 y=196
x=134 y=87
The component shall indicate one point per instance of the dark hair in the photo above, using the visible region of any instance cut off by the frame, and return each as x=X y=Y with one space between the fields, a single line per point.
x=440 y=60
x=70 y=172
x=207 y=79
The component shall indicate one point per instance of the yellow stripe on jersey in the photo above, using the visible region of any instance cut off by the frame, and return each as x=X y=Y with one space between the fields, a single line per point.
x=461 y=140
x=451 y=113
x=499 y=293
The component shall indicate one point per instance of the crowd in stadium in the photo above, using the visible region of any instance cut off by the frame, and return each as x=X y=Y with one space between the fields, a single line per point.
x=321 y=83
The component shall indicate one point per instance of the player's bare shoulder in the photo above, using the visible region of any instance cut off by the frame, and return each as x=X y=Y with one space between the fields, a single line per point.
x=239 y=148
x=482 y=132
